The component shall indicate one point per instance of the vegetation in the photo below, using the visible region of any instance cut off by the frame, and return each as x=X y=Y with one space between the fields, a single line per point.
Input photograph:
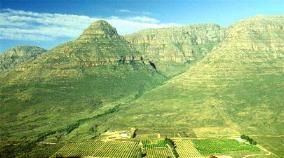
x=60 y=92
x=154 y=143
x=220 y=146
x=185 y=148
x=100 y=149
x=157 y=148
x=247 y=138
x=241 y=77
x=100 y=80
x=158 y=153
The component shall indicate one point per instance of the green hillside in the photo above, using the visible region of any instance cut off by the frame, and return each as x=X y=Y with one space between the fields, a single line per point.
x=70 y=84
x=173 y=49
x=15 y=56
x=236 y=89
x=101 y=82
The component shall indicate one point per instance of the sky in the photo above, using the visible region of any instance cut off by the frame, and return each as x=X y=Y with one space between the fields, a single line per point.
x=47 y=23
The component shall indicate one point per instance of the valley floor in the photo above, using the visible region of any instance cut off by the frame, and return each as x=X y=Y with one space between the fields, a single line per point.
x=131 y=143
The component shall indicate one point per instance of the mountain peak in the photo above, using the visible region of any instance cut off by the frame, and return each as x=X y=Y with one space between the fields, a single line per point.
x=99 y=28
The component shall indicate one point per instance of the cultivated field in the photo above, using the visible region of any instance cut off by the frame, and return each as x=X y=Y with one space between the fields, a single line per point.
x=222 y=146
x=158 y=152
x=100 y=149
x=186 y=149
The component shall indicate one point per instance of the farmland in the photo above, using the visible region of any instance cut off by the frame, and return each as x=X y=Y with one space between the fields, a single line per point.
x=220 y=146
x=185 y=148
x=100 y=149
x=158 y=152
x=156 y=148
x=176 y=147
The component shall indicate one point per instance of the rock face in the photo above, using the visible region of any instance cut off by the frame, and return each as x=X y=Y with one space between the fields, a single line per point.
x=256 y=34
x=99 y=29
x=177 y=45
x=18 y=55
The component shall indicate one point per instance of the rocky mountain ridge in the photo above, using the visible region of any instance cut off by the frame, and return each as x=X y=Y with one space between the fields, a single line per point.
x=178 y=46
x=13 y=57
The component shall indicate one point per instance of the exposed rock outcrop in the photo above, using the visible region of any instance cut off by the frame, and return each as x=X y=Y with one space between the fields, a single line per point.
x=177 y=44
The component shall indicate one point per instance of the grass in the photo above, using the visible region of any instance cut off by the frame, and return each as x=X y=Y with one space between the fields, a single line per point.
x=235 y=87
x=33 y=110
x=273 y=143
x=222 y=146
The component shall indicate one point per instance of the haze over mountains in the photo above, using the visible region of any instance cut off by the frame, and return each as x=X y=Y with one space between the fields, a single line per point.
x=189 y=79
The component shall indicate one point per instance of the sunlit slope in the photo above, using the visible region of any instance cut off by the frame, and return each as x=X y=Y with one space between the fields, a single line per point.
x=52 y=94
x=238 y=87
x=173 y=49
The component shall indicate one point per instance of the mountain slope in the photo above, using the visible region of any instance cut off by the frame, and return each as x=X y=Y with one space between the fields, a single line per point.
x=15 y=56
x=173 y=49
x=74 y=82
x=236 y=89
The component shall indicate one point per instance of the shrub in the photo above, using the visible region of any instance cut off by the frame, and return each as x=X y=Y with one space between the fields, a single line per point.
x=247 y=138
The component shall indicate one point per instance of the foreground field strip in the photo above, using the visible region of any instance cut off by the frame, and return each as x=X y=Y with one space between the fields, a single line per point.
x=186 y=149
x=100 y=149
x=172 y=152
x=231 y=136
x=272 y=136
x=158 y=152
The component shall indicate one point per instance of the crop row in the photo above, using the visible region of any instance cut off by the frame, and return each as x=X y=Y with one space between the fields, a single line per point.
x=186 y=149
x=158 y=152
x=211 y=146
x=100 y=149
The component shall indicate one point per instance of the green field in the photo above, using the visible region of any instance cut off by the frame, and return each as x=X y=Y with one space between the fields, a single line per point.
x=222 y=146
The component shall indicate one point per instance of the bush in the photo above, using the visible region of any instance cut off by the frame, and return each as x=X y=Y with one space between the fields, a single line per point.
x=247 y=138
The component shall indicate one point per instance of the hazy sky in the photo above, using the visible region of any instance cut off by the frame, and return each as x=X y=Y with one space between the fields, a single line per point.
x=47 y=23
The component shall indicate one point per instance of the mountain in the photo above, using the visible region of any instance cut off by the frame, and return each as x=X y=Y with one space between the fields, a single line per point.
x=13 y=57
x=232 y=84
x=173 y=49
x=236 y=89
x=77 y=81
